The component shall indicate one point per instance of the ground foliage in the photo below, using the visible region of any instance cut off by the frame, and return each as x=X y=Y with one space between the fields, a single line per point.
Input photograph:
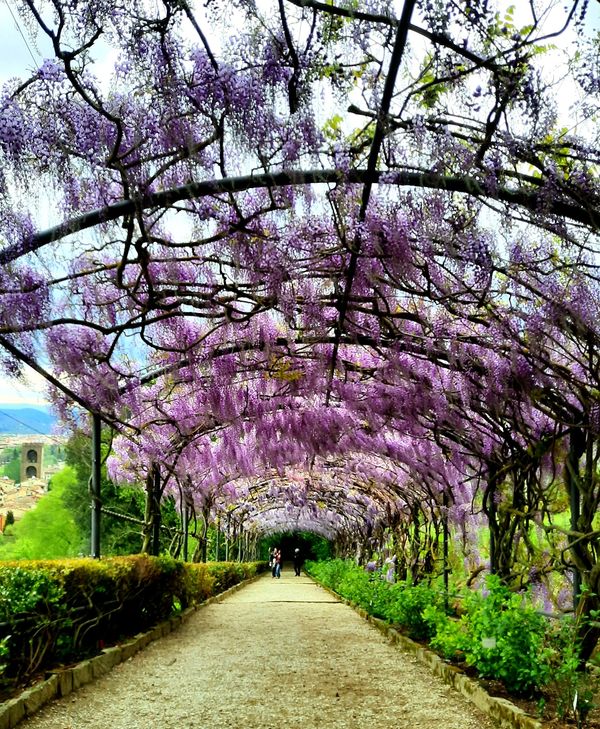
x=49 y=530
x=332 y=270
x=493 y=631
x=118 y=535
x=12 y=467
x=58 y=611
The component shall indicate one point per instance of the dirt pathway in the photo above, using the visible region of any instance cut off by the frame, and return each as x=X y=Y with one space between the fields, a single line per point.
x=278 y=654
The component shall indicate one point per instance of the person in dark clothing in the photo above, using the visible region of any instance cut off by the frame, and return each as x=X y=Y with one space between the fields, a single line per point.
x=297 y=561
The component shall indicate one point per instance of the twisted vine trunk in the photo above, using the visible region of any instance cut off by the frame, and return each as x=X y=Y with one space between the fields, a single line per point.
x=152 y=515
x=200 y=552
x=415 y=545
x=583 y=495
x=506 y=517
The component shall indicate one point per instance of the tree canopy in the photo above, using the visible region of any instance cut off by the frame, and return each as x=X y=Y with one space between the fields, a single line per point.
x=322 y=266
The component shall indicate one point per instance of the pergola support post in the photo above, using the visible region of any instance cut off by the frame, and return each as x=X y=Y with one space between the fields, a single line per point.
x=575 y=508
x=446 y=539
x=217 y=535
x=186 y=529
x=156 y=515
x=95 y=485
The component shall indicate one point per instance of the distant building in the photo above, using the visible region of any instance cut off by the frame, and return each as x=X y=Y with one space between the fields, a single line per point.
x=6 y=485
x=22 y=498
x=34 y=486
x=34 y=476
x=50 y=471
x=32 y=460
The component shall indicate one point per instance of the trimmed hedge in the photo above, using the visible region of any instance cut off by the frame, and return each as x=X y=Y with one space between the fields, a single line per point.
x=499 y=632
x=59 y=611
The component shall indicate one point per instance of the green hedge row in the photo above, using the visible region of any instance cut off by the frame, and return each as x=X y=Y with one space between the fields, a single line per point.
x=499 y=633
x=59 y=611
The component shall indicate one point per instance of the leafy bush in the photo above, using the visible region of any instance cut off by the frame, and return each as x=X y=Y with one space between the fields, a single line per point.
x=382 y=598
x=498 y=634
x=227 y=574
x=61 y=610
x=24 y=591
x=31 y=605
x=329 y=573
x=408 y=609
x=449 y=636
x=354 y=585
x=503 y=637
x=402 y=603
x=199 y=584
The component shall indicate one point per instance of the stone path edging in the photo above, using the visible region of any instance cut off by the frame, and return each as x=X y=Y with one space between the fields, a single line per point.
x=65 y=681
x=500 y=710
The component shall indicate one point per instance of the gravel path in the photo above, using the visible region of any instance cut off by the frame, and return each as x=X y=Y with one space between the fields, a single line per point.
x=278 y=654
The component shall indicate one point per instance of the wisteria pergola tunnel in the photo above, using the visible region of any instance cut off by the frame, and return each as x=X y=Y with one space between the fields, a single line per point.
x=321 y=266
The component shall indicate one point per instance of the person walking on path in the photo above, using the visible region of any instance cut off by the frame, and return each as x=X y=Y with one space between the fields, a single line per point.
x=297 y=561
x=273 y=561
x=278 y=563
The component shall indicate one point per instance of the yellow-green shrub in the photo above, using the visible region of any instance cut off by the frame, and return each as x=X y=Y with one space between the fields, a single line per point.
x=60 y=610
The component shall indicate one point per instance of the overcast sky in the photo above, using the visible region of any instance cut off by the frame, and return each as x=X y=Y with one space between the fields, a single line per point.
x=27 y=393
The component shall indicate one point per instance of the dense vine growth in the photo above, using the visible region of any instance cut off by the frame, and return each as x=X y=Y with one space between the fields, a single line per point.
x=322 y=266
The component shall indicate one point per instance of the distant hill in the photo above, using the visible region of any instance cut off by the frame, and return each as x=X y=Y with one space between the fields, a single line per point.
x=26 y=421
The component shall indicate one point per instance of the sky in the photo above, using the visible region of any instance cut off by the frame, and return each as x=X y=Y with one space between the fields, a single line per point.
x=26 y=393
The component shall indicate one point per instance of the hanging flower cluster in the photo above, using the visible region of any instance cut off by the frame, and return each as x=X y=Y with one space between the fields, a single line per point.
x=329 y=269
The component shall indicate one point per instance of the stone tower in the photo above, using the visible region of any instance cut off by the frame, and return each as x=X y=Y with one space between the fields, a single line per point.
x=32 y=460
